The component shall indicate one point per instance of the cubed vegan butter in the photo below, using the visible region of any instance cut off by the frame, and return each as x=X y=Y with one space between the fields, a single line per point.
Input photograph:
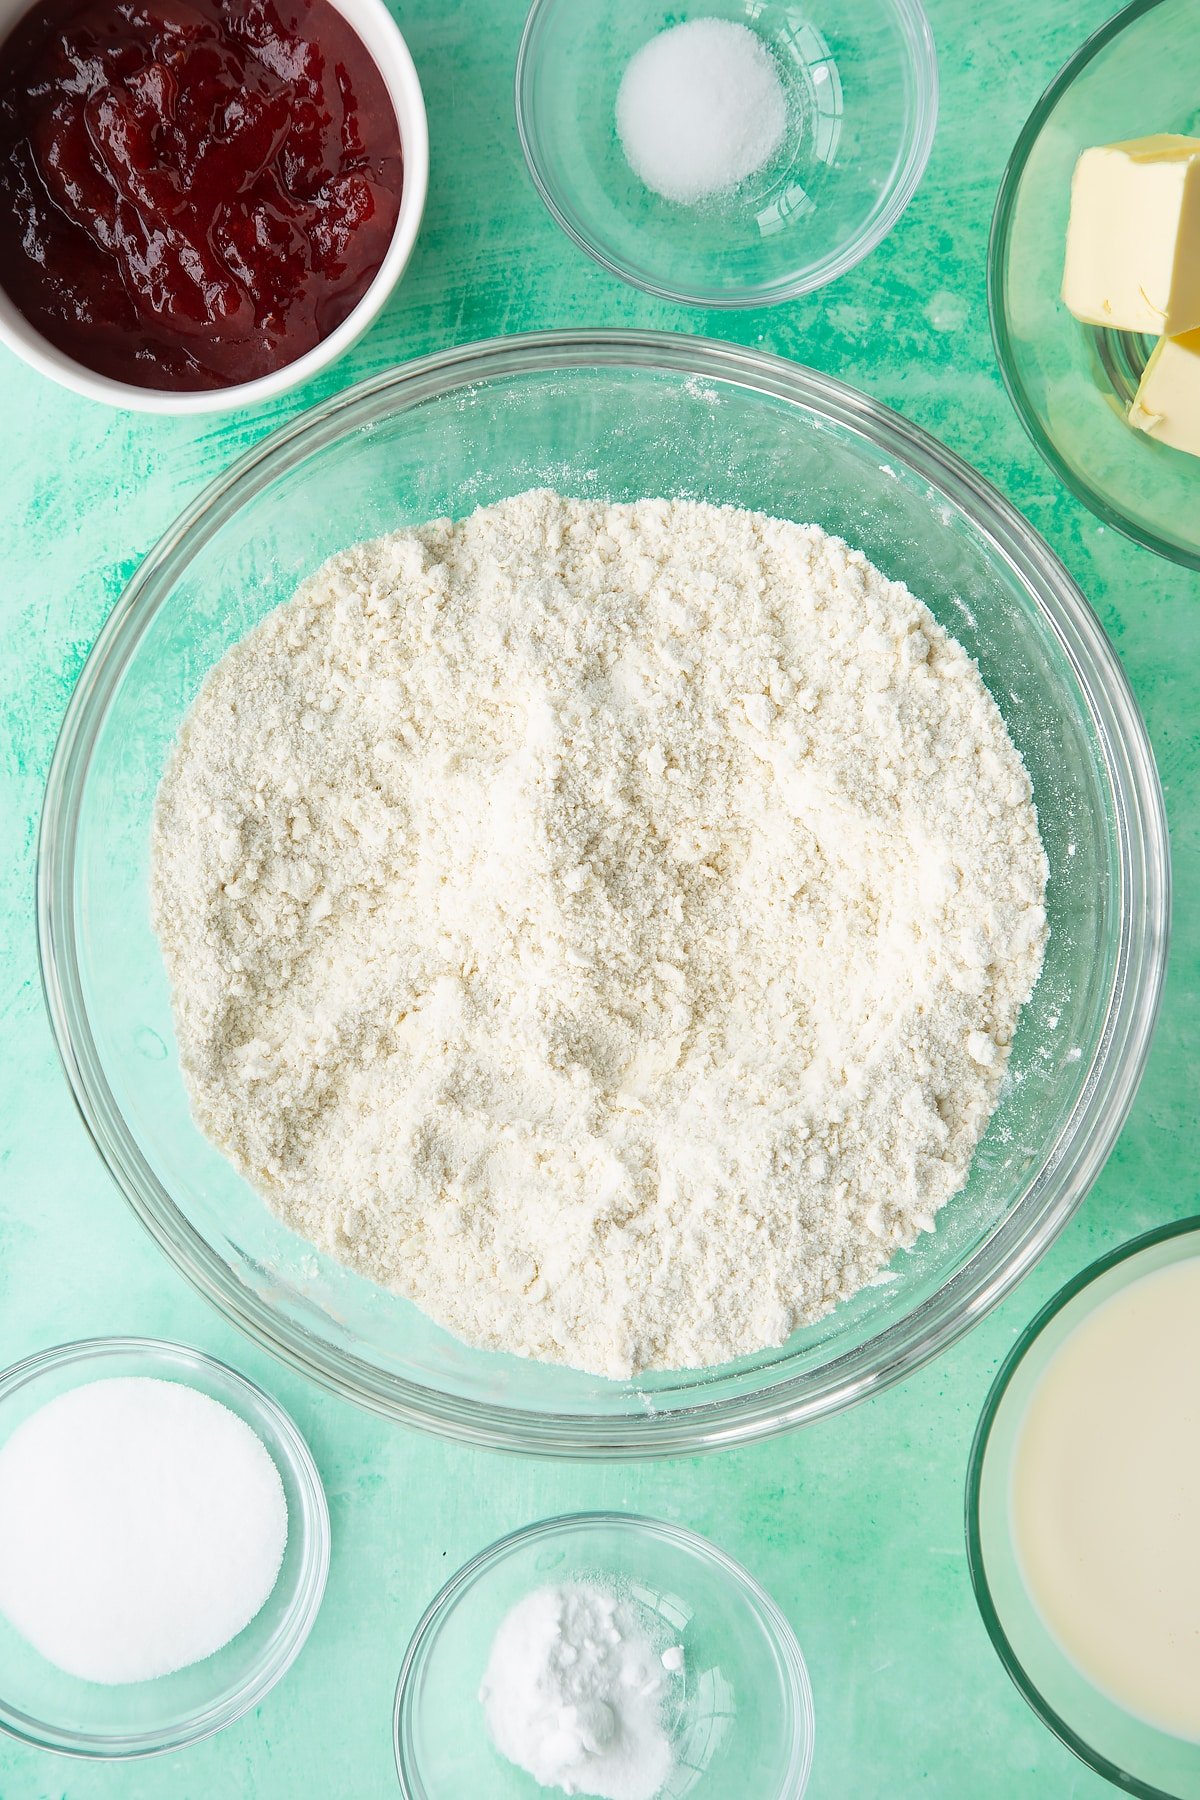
x=1133 y=241
x=1167 y=405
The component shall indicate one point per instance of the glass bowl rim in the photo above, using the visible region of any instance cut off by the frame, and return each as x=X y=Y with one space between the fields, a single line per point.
x=918 y=35
x=87 y=1353
x=976 y=1559
x=997 y=263
x=769 y=1613
x=1117 y=1060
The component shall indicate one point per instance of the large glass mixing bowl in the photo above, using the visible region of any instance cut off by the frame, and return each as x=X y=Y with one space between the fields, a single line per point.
x=618 y=415
x=1126 y=1749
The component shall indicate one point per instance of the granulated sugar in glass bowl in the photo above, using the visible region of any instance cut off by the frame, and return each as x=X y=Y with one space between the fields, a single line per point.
x=700 y=109
x=617 y=416
x=118 y=1695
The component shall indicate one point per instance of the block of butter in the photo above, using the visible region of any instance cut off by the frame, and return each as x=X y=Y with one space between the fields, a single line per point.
x=1167 y=404
x=1133 y=241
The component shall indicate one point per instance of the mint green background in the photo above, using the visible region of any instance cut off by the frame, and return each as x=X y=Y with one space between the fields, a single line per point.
x=855 y=1524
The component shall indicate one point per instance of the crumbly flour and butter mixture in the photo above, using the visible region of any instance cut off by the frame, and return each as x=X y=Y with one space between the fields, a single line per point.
x=604 y=924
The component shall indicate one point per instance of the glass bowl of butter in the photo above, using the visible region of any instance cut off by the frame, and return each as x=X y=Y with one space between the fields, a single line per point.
x=1104 y=366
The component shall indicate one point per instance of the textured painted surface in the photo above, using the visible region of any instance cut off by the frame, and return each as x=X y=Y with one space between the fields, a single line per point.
x=854 y=1525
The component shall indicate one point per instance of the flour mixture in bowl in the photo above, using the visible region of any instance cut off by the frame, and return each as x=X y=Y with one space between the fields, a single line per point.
x=604 y=924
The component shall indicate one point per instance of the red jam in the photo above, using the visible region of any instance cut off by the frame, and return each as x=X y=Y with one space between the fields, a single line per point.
x=192 y=192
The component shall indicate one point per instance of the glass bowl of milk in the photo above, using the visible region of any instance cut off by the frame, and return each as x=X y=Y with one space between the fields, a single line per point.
x=1083 y=1514
x=734 y=1710
x=648 y=133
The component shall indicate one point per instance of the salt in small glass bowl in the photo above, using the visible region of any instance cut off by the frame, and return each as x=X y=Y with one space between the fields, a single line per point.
x=51 y=1710
x=1127 y=1750
x=741 y=1717
x=862 y=91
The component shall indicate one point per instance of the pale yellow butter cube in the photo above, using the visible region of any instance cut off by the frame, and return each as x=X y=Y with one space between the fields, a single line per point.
x=1167 y=405
x=1133 y=241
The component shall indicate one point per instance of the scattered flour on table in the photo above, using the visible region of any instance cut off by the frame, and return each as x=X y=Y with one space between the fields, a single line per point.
x=604 y=924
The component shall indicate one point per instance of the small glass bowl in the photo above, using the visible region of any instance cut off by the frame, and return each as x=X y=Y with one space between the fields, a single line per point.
x=51 y=1710
x=862 y=89
x=742 y=1717
x=1123 y=1748
x=1072 y=383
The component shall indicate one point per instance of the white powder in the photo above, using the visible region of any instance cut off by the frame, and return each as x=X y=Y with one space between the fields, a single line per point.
x=574 y=1694
x=142 y=1526
x=700 y=107
x=605 y=925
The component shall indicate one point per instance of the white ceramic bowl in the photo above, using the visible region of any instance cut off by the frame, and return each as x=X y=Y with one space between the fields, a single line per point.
x=382 y=38
x=610 y=415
